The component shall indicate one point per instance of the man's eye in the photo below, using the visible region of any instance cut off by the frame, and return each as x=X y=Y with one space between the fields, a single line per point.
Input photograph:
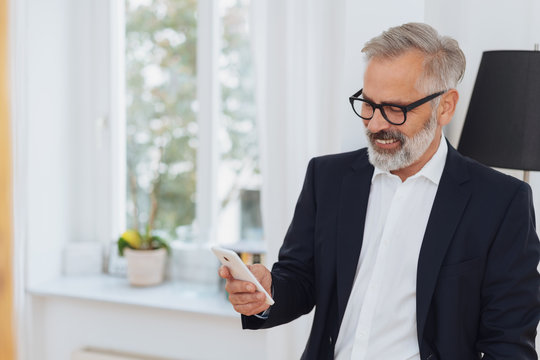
x=393 y=109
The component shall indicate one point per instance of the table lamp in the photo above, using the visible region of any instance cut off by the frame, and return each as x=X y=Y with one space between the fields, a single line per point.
x=502 y=126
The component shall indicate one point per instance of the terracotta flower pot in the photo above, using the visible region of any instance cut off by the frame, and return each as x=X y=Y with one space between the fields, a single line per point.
x=145 y=267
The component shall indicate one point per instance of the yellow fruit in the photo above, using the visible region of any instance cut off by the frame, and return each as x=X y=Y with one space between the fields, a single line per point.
x=133 y=238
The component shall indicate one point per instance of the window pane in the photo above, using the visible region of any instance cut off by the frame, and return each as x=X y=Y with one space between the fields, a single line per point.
x=161 y=126
x=239 y=175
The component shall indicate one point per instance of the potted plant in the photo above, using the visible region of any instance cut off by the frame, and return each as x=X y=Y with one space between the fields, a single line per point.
x=146 y=253
x=146 y=257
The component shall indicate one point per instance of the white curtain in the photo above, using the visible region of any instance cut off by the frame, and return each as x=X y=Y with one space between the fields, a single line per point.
x=298 y=56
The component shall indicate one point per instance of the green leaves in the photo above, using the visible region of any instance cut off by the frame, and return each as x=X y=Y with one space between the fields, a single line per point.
x=122 y=244
x=152 y=243
x=157 y=243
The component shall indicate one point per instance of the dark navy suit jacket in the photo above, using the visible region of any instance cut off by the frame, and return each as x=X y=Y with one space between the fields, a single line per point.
x=477 y=281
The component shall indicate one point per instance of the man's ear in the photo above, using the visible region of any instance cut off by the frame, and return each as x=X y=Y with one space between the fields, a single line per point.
x=447 y=106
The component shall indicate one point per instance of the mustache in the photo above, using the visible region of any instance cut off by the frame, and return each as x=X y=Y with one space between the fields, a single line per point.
x=386 y=135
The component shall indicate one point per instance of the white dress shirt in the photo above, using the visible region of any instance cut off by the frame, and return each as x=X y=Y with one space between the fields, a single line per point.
x=380 y=317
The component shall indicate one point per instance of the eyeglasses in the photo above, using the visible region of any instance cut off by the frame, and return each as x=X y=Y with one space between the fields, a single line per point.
x=394 y=114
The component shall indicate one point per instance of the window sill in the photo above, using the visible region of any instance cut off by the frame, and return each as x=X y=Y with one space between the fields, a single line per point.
x=176 y=296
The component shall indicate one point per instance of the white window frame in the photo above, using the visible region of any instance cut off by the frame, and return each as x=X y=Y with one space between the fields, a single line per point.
x=208 y=98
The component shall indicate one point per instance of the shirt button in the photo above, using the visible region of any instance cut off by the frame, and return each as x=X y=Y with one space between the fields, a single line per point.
x=330 y=340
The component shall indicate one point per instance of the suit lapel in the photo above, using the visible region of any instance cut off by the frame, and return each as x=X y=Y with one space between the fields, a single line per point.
x=350 y=227
x=450 y=201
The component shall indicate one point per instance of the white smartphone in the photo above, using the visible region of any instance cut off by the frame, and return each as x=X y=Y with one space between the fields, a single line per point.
x=239 y=270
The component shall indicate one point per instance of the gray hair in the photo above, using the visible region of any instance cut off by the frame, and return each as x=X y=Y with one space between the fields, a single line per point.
x=444 y=63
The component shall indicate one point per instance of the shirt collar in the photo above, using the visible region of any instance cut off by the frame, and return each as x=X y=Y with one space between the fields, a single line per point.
x=433 y=168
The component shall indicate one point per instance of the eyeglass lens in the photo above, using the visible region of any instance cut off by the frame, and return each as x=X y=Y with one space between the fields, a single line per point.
x=365 y=110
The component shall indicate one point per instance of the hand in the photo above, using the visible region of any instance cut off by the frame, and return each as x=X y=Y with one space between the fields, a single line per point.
x=243 y=295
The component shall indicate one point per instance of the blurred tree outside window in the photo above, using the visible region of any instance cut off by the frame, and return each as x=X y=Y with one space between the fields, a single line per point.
x=161 y=119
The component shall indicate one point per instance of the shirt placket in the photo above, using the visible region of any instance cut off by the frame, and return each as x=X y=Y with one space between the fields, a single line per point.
x=371 y=299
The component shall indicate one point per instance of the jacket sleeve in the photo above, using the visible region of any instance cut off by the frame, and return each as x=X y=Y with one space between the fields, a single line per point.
x=293 y=274
x=511 y=287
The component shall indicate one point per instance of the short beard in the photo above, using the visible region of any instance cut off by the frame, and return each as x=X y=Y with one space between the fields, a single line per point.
x=410 y=151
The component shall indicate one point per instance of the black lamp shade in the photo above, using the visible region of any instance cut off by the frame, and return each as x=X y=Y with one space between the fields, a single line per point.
x=502 y=127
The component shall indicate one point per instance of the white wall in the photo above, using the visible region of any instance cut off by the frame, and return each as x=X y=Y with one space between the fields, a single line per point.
x=68 y=324
x=66 y=90
x=47 y=129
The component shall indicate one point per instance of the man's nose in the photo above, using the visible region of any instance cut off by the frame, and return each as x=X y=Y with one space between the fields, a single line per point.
x=378 y=122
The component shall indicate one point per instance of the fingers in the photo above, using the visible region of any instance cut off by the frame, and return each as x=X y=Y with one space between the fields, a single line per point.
x=263 y=275
x=243 y=295
x=254 y=299
x=248 y=303
x=224 y=272
x=251 y=309
x=238 y=286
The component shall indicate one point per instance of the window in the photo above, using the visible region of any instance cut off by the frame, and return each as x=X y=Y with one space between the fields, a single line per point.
x=238 y=188
x=191 y=154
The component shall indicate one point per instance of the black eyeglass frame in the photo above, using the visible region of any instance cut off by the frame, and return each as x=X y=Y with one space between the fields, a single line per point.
x=404 y=108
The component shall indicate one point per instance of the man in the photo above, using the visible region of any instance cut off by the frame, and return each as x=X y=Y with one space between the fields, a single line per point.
x=408 y=250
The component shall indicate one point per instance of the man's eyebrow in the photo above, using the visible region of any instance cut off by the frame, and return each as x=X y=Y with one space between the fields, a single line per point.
x=396 y=102
x=366 y=97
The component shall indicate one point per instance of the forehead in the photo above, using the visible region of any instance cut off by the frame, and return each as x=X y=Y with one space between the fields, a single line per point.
x=394 y=79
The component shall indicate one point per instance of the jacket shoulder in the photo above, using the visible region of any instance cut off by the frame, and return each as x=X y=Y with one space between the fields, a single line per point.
x=492 y=186
x=490 y=177
x=341 y=161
